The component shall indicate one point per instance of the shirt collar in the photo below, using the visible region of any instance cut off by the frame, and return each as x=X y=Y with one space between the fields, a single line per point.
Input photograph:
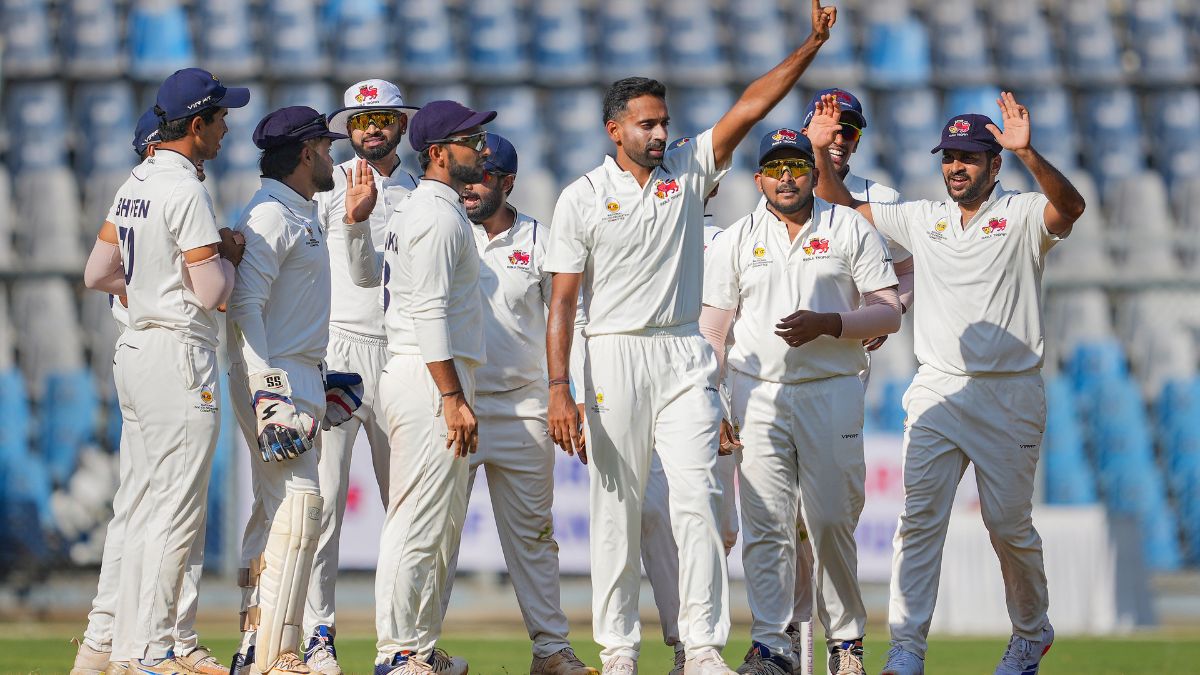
x=439 y=188
x=167 y=157
x=285 y=195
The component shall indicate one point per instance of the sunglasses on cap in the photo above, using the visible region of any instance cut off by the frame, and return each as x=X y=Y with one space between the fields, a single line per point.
x=476 y=141
x=850 y=133
x=794 y=167
x=380 y=118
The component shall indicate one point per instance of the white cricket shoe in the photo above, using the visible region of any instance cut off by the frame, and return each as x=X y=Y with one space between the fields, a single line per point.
x=707 y=661
x=622 y=665
x=89 y=661
x=288 y=662
x=903 y=662
x=401 y=664
x=680 y=660
x=444 y=664
x=1024 y=657
x=201 y=660
x=320 y=654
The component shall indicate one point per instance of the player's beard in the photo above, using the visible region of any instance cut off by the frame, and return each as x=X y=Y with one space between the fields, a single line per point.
x=465 y=173
x=974 y=190
x=791 y=208
x=643 y=157
x=323 y=182
x=377 y=153
x=487 y=206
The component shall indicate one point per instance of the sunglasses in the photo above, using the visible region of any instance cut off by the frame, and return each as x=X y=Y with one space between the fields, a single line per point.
x=794 y=167
x=850 y=133
x=476 y=141
x=380 y=118
x=489 y=174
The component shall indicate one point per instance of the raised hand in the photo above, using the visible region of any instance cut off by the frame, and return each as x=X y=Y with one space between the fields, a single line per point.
x=825 y=124
x=361 y=192
x=1015 y=118
x=823 y=19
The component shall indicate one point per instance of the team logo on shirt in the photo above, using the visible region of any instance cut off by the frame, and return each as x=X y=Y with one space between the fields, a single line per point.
x=366 y=92
x=206 y=400
x=817 y=246
x=613 y=207
x=312 y=238
x=995 y=226
x=938 y=228
x=759 y=258
x=666 y=188
x=599 y=407
x=959 y=128
x=518 y=258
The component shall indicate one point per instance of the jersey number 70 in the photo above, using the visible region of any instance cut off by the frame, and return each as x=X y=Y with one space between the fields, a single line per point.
x=126 y=236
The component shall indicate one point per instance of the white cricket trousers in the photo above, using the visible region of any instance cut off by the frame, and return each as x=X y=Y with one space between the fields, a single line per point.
x=169 y=393
x=99 y=632
x=803 y=438
x=660 y=555
x=427 y=503
x=995 y=422
x=348 y=352
x=517 y=456
x=271 y=481
x=646 y=392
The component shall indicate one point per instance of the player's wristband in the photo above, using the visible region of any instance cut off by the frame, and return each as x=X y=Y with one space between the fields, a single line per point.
x=561 y=380
x=448 y=394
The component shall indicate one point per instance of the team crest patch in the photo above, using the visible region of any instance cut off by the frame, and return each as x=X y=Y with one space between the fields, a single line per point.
x=612 y=205
x=366 y=93
x=518 y=258
x=207 y=400
x=599 y=406
x=959 y=128
x=666 y=188
x=784 y=135
x=939 y=228
x=759 y=255
x=995 y=226
x=817 y=246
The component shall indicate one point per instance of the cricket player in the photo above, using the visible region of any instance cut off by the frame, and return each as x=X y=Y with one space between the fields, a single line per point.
x=434 y=318
x=794 y=278
x=354 y=217
x=630 y=234
x=175 y=268
x=279 y=320
x=92 y=657
x=978 y=396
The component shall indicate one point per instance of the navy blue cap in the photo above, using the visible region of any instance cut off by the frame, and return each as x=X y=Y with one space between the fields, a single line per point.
x=852 y=110
x=968 y=133
x=193 y=90
x=292 y=124
x=442 y=119
x=784 y=138
x=146 y=132
x=502 y=156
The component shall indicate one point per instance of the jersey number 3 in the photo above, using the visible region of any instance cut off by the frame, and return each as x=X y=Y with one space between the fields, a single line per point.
x=126 y=236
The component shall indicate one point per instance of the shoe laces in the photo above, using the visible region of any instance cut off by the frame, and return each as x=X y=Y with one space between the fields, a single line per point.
x=1018 y=653
x=849 y=658
x=202 y=655
x=680 y=658
x=899 y=656
x=439 y=659
x=320 y=641
x=619 y=667
x=289 y=661
x=569 y=656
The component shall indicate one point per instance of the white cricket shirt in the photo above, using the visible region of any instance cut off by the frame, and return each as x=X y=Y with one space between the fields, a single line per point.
x=980 y=286
x=283 y=279
x=755 y=269
x=710 y=232
x=358 y=309
x=516 y=293
x=431 y=297
x=161 y=211
x=640 y=249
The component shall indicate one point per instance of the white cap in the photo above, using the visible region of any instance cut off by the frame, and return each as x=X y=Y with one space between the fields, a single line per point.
x=367 y=95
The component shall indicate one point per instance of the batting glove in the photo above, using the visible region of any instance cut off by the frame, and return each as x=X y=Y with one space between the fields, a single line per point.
x=343 y=395
x=283 y=431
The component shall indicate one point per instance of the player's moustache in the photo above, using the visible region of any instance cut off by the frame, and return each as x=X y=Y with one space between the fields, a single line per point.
x=656 y=145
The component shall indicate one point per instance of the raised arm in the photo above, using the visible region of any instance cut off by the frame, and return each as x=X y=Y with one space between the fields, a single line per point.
x=364 y=262
x=1066 y=204
x=821 y=131
x=764 y=93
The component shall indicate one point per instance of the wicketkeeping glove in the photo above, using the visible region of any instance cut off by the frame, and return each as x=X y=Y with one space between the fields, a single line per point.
x=283 y=431
x=343 y=395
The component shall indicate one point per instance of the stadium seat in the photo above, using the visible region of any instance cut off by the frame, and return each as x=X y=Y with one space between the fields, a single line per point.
x=36 y=115
x=56 y=243
x=237 y=149
x=771 y=43
x=699 y=108
x=1092 y=55
x=429 y=54
x=890 y=415
x=692 y=53
x=1140 y=215
x=234 y=189
x=14 y=404
x=95 y=312
x=627 y=44
x=536 y=191
x=104 y=115
x=1095 y=361
x=227 y=45
x=69 y=413
x=1085 y=257
x=1161 y=43
x=897 y=54
x=579 y=117
x=1174 y=125
x=838 y=64
x=295 y=49
x=737 y=198
x=1112 y=127
x=160 y=40
x=979 y=99
x=28 y=43
x=1077 y=316
x=1055 y=133
x=6 y=235
x=911 y=121
x=496 y=47
x=1024 y=47
x=788 y=113
x=560 y=57
x=90 y=34
x=361 y=35
x=49 y=337
x=99 y=186
x=960 y=55
x=317 y=95
x=24 y=512
x=517 y=112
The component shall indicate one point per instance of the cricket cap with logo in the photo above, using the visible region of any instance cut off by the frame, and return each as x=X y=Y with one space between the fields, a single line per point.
x=442 y=119
x=968 y=133
x=784 y=138
x=293 y=124
x=368 y=95
x=191 y=91
x=852 y=110
x=502 y=156
x=146 y=132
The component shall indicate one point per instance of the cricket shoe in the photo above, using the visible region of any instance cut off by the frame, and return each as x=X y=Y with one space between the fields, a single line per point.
x=168 y=666
x=561 y=662
x=403 y=663
x=802 y=642
x=680 y=660
x=320 y=654
x=846 y=658
x=707 y=661
x=444 y=664
x=622 y=665
x=117 y=668
x=903 y=662
x=242 y=664
x=89 y=661
x=201 y=660
x=1024 y=657
x=760 y=661
x=288 y=662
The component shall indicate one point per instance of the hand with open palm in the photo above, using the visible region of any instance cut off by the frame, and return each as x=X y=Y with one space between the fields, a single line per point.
x=1015 y=118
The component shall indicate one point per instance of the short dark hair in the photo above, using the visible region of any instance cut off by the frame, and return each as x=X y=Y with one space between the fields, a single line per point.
x=618 y=96
x=174 y=130
x=279 y=162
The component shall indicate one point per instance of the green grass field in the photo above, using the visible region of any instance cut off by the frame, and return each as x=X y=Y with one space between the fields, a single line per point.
x=33 y=648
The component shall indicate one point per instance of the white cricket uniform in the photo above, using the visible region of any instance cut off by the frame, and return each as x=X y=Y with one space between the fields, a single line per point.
x=660 y=555
x=799 y=410
x=433 y=312
x=166 y=374
x=278 y=318
x=99 y=632
x=978 y=396
x=357 y=344
x=651 y=383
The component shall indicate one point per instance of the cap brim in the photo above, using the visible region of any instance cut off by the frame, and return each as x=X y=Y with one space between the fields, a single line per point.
x=235 y=97
x=475 y=120
x=854 y=117
x=762 y=158
x=338 y=119
x=966 y=145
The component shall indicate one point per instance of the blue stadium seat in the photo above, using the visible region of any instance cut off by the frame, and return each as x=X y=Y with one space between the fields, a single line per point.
x=495 y=49
x=361 y=35
x=560 y=57
x=104 y=114
x=36 y=113
x=429 y=55
x=1092 y=54
x=752 y=58
x=14 y=405
x=838 y=64
x=24 y=510
x=1161 y=540
x=692 y=52
x=69 y=409
x=890 y=415
x=979 y=99
x=226 y=44
x=910 y=120
x=296 y=48
x=317 y=95
x=1069 y=476
x=91 y=39
x=237 y=149
x=160 y=40
x=27 y=40
x=1161 y=42
x=1174 y=125
x=960 y=54
x=628 y=45
x=1094 y=362
x=579 y=117
x=897 y=55
x=1055 y=133
x=517 y=114
x=698 y=109
x=1112 y=124
x=1024 y=47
